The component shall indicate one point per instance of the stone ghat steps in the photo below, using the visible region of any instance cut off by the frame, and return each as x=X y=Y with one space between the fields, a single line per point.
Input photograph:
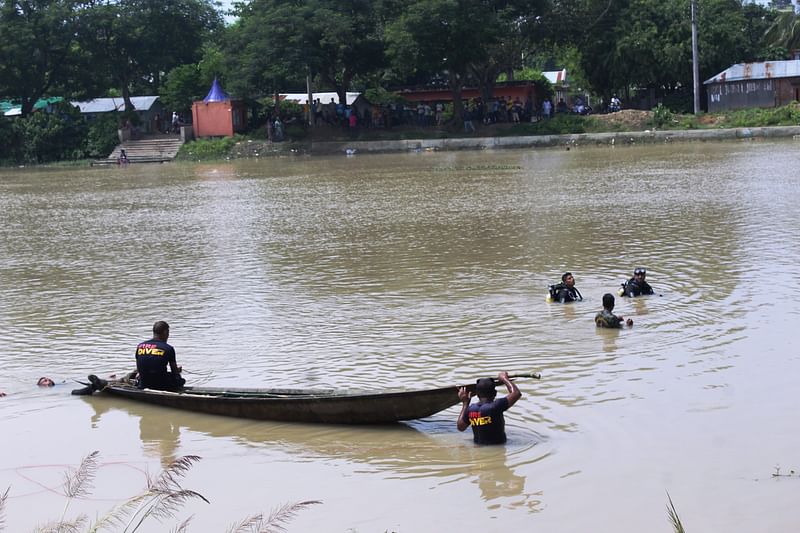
x=150 y=150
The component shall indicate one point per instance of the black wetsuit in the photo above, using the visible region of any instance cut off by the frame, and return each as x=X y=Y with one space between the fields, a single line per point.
x=153 y=358
x=568 y=294
x=637 y=288
x=487 y=421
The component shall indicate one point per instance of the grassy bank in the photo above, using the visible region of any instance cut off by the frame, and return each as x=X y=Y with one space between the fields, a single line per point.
x=628 y=120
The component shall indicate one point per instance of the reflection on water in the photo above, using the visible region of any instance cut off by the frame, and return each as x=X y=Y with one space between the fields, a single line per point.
x=400 y=451
x=418 y=270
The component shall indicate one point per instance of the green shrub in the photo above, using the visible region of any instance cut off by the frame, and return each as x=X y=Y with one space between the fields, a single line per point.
x=560 y=124
x=662 y=116
x=102 y=137
x=748 y=118
x=204 y=149
x=56 y=136
x=295 y=132
x=380 y=96
x=8 y=140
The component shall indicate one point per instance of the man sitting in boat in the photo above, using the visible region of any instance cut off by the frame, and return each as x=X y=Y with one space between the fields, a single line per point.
x=152 y=358
x=486 y=416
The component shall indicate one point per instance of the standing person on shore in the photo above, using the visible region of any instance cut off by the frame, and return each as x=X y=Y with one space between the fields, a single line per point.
x=486 y=416
x=469 y=127
x=547 y=108
x=153 y=357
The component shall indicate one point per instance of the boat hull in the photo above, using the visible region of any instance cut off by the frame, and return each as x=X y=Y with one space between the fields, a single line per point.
x=288 y=405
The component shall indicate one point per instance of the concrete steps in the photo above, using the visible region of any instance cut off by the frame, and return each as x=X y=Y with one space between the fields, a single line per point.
x=151 y=149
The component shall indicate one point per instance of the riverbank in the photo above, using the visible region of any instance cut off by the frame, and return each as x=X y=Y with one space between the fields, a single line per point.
x=255 y=149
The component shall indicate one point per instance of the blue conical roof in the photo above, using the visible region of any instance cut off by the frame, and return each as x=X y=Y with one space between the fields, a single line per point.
x=216 y=94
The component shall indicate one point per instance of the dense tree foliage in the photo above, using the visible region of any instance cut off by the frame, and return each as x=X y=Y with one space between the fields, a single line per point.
x=90 y=48
x=646 y=44
x=37 y=48
x=134 y=42
x=277 y=43
x=785 y=30
x=464 y=39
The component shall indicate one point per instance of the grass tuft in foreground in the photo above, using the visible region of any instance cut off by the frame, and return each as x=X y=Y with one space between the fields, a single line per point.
x=674 y=519
x=162 y=499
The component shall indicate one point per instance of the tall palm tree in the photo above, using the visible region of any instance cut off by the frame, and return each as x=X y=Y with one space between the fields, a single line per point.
x=785 y=31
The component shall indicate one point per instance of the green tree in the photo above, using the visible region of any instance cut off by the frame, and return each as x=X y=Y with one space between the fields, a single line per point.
x=37 y=48
x=785 y=30
x=433 y=36
x=277 y=43
x=43 y=136
x=133 y=43
x=647 y=43
x=466 y=40
x=187 y=83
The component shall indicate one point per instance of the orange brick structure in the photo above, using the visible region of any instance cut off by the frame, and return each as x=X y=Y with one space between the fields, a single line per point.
x=217 y=115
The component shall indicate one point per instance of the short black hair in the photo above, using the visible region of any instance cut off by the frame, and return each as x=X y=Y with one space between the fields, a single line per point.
x=608 y=300
x=564 y=276
x=485 y=388
x=160 y=327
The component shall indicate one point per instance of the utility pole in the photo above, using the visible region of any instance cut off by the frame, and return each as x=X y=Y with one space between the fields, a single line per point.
x=695 y=65
x=310 y=100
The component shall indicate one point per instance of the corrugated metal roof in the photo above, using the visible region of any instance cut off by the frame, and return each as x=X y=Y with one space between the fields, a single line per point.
x=106 y=105
x=98 y=105
x=758 y=71
x=325 y=98
x=11 y=109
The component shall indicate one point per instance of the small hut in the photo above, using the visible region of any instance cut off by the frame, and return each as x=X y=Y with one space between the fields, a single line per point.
x=750 y=85
x=217 y=115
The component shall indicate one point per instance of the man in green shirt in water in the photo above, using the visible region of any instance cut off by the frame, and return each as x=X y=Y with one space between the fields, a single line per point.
x=607 y=319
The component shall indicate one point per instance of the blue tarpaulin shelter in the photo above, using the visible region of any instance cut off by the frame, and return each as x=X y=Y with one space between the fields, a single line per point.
x=216 y=94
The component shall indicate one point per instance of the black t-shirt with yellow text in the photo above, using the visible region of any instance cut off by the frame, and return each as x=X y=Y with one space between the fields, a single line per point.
x=487 y=422
x=153 y=357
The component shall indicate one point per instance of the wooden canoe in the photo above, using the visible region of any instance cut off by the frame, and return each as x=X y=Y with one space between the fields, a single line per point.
x=294 y=405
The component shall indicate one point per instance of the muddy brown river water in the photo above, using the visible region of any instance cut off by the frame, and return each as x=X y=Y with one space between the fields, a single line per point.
x=411 y=271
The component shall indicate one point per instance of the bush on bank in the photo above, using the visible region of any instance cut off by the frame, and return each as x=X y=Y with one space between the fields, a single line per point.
x=205 y=149
x=62 y=135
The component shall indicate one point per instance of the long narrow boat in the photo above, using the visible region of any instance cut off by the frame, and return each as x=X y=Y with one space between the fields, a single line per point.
x=293 y=405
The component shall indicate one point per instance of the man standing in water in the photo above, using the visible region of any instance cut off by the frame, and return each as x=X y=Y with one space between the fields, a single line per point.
x=637 y=286
x=566 y=291
x=606 y=318
x=152 y=358
x=486 y=416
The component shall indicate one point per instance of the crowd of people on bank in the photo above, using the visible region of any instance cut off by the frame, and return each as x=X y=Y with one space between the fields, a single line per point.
x=435 y=113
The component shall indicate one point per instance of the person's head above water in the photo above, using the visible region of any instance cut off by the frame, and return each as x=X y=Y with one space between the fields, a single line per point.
x=639 y=273
x=485 y=388
x=45 y=382
x=608 y=301
x=568 y=279
x=161 y=330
